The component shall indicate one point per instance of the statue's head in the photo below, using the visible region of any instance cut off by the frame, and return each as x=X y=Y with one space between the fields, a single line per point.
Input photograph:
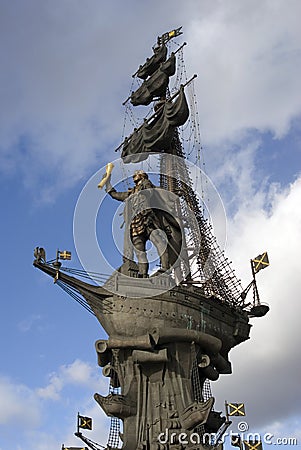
x=139 y=175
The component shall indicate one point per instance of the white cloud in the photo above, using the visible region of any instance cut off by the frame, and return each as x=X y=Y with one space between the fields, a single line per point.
x=67 y=70
x=235 y=174
x=23 y=404
x=19 y=404
x=76 y=373
x=42 y=426
x=248 y=57
x=266 y=368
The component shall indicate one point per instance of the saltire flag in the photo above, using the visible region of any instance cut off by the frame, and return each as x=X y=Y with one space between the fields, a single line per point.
x=169 y=35
x=236 y=409
x=260 y=262
x=85 y=422
x=235 y=440
x=65 y=255
x=253 y=445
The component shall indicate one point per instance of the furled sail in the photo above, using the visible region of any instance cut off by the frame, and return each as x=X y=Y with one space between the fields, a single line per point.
x=156 y=136
x=153 y=63
x=156 y=84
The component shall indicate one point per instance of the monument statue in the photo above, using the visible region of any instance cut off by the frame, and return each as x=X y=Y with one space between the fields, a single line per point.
x=168 y=336
x=146 y=221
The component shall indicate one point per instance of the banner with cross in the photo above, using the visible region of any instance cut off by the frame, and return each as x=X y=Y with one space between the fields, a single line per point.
x=236 y=409
x=260 y=262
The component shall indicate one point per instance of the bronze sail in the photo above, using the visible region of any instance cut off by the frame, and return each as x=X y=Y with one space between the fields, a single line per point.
x=156 y=136
x=156 y=84
x=153 y=63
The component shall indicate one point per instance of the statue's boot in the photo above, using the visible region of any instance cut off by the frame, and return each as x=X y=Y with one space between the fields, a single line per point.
x=165 y=261
x=143 y=269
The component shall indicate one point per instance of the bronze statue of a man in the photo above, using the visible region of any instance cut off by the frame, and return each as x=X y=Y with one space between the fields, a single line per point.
x=145 y=222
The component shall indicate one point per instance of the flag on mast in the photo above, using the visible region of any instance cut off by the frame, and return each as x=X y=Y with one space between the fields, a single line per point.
x=252 y=445
x=74 y=448
x=65 y=255
x=169 y=35
x=236 y=440
x=85 y=422
x=260 y=262
x=236 y=409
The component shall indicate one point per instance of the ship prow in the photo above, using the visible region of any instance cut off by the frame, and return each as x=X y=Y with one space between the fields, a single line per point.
x=153 y=311
x=73 y=282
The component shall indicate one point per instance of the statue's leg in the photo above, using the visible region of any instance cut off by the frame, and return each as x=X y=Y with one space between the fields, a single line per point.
x=159 y=239
x=139 y=244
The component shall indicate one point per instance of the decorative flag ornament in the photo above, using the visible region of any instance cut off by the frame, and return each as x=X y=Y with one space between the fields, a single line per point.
x=260 y=262
x=74 y=448
x=252 y=445
x=236 y=440
x=40 y=254
x=236 y=409
x=169 y=35
x=65 y=255
x=85 y=422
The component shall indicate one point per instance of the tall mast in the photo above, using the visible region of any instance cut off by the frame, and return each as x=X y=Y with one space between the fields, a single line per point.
x=208 y=266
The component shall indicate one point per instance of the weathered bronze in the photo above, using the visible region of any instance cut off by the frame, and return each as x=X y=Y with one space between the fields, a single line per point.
x=153 y=356
x=146 y=222
x=167 y=336
x=156 y=135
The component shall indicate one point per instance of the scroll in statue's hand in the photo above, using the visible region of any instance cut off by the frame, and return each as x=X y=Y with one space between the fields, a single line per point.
x=107 y=176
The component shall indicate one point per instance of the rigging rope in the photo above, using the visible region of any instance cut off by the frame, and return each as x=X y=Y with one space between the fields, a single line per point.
x=88 y=275
x=73 y=293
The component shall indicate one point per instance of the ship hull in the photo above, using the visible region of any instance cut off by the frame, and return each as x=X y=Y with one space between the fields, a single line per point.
x=159 y=351
x=179 y=308
x=163 y=342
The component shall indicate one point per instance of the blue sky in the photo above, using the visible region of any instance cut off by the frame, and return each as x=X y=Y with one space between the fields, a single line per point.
x=66 y=68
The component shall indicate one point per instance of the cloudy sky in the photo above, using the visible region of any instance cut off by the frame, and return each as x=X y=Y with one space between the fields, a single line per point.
x=66 y=68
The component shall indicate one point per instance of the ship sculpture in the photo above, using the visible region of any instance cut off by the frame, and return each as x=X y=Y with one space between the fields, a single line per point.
x=169 y=330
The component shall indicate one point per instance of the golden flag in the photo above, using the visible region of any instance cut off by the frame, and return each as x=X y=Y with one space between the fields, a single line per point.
x=85 y=422
x=65 y=255
x=260 y=262
x=252 y=445
x=236 y=409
